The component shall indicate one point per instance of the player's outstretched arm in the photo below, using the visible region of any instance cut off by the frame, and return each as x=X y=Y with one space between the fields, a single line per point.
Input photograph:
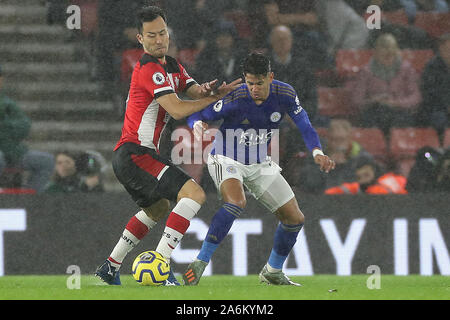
x=180 y=109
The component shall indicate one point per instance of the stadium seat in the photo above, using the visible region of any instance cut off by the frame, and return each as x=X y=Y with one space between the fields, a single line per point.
x=418 y=58
x=129 y=59
x=334 y=102
x=396 y=17
x=372 y=140
x=435 y=24
x=350 y=61
x=446 y=142
x=405 y=142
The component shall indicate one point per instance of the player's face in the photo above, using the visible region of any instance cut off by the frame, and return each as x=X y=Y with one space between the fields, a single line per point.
x=259 y=86
x=155 y=37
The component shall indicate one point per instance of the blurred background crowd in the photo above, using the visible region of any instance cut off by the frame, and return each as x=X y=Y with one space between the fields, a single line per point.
x=379 y=98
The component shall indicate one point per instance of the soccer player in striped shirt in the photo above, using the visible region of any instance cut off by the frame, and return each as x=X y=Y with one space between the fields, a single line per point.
x=149 y=178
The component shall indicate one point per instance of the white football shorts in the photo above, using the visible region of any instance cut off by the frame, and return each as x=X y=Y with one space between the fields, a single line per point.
x=263 y=180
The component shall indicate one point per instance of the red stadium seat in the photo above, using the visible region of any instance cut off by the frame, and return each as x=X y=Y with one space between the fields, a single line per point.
x=129 y=59
x=435 y=24
x=446 y=142
x=334 y=102
x=396 y=17
x=350 y=61
x=405 y=142
x=418 y=58
x=372 y=140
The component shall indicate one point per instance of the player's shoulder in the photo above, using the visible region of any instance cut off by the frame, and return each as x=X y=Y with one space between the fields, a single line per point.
x=238 y=94
x=148 y=62
x=283 y=89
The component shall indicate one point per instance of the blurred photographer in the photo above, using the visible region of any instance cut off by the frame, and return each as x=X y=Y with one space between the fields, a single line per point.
x=77 y=173
x=90 y=166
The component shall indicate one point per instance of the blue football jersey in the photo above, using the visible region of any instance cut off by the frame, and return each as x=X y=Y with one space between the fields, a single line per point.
x=247 y=128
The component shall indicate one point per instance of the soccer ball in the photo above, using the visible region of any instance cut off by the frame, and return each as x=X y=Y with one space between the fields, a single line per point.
x=150 y=268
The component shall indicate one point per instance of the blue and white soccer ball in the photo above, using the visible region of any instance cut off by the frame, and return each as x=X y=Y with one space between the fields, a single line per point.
x=150 y=268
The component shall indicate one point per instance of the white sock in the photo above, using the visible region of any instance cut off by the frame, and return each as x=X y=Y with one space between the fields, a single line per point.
x=135 y=230
x=176 y=225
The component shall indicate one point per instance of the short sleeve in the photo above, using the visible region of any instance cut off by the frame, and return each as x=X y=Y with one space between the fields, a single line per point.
x=153 y=77
x=186 y=81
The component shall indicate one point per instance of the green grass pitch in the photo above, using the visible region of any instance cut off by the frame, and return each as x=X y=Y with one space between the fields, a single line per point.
x=227 y=287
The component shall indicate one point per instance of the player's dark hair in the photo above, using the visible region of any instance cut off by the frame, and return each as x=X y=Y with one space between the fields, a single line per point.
x=148 y=14
x=256 y=63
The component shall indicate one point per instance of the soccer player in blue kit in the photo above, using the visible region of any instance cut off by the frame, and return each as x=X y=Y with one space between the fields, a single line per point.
x=251 y=114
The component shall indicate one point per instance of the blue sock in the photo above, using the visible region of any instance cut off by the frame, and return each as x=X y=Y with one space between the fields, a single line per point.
x=220 y=225
x=284 y=240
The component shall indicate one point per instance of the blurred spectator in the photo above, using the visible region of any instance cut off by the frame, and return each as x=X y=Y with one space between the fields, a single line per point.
x=14 y=128
x=302 y=18
x=435 y=84
x=371 y=179
x=422 y=177
x=386 y=91
x=90 y=167
x=75 y=173
x=340 y=147
x=284 y=60
x=221 y=58
x=346 y=29
x=65 y=177
x=408 y=36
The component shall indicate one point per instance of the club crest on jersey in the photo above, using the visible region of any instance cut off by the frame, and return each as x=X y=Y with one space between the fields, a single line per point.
x=231 y=169
x=274 y=117
x=158 y=78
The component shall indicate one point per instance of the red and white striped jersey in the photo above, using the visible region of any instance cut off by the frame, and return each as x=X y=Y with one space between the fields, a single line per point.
x=145 y=119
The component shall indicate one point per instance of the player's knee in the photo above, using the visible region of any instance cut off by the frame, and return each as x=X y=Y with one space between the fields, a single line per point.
x=192 y=191
x=300 y=218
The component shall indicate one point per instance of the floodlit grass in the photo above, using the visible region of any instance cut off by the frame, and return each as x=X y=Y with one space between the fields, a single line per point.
x=229 y=288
